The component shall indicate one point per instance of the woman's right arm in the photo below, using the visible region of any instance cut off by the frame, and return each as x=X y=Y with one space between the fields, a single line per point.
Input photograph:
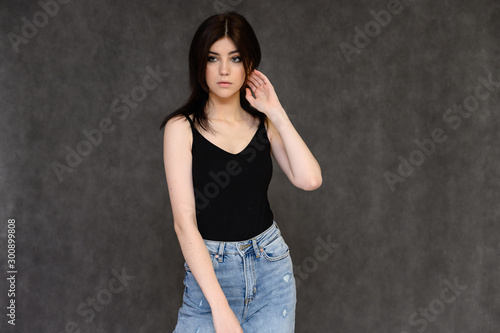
x=178 y=170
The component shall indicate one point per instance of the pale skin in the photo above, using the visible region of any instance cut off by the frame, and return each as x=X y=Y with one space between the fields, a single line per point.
x=235 y=127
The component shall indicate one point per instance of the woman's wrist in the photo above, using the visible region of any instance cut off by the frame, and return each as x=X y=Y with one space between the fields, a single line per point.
x=219 y=302
x=279 y=117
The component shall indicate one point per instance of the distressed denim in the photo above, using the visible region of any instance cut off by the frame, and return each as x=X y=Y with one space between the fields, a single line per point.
x=256 y=275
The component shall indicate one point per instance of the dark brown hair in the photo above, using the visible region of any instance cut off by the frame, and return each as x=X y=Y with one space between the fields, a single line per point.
x=218 y=26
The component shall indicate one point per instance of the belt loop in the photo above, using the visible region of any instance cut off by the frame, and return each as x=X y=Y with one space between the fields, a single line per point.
x=221 y=251
x=255 y=248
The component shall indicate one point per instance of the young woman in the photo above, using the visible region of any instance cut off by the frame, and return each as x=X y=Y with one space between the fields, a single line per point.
x=217 y=155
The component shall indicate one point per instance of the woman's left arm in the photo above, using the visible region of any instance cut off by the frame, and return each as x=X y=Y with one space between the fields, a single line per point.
x=287 y=147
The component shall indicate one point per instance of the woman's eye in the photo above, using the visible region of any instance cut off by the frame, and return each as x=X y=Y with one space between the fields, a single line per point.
x=234 y=59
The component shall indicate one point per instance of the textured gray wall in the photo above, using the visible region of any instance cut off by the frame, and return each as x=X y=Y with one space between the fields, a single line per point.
x=411 y=233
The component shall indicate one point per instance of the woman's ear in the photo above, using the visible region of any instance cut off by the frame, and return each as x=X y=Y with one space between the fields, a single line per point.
x=250 y=68
x=249 y=72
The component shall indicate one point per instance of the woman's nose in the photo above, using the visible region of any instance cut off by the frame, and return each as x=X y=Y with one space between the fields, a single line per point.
x=224 y=68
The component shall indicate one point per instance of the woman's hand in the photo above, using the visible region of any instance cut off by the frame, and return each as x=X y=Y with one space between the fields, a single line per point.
x=265 y=99
x=225 y=321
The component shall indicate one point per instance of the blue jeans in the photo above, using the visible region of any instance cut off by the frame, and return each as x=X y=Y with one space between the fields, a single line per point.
x=256 y=275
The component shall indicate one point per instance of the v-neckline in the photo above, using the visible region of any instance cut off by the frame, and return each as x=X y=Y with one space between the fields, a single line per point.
x=225 y=151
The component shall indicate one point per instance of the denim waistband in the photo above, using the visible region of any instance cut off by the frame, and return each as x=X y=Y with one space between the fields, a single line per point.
x=255 y=244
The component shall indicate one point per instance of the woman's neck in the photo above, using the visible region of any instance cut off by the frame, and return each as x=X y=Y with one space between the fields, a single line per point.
x=226 y=109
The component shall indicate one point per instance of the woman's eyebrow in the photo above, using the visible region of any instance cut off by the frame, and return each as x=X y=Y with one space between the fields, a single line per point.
x=228 y=53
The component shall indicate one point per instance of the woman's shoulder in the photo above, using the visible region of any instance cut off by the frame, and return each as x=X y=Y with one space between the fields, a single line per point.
x=179 y=120
x=178 y=127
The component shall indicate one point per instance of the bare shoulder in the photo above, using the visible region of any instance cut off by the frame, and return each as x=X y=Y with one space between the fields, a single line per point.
x=177 y=130
x=177 y=157
x=177 y=121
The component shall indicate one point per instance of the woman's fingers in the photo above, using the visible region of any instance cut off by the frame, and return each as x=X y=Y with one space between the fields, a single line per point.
x=254 y=80
x=262 y=77
x=259 y=80
x=259 y=77
x=251 y=85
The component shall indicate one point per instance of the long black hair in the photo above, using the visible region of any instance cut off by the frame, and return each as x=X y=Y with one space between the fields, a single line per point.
x=236 y=28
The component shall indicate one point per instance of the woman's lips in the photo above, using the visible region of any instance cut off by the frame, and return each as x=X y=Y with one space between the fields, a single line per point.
x=224 y=84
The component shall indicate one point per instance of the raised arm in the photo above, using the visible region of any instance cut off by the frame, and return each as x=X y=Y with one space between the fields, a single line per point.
x=287 y=147
x=177 y=156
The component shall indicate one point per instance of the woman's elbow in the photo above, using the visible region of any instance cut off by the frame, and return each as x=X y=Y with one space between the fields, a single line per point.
x=312 y=184
x=185 y=224
x=315 y=184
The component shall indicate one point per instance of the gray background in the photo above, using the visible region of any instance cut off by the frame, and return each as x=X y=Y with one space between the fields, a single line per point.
x=394 y=250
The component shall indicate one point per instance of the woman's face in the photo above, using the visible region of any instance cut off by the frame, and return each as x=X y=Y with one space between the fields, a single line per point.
x=224 y=64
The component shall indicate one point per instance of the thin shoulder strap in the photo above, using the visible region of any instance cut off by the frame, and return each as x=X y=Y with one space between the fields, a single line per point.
x=190 y=121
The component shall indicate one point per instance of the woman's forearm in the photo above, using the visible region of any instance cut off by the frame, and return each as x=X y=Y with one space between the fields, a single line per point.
x=196 y=254
x=305 y=168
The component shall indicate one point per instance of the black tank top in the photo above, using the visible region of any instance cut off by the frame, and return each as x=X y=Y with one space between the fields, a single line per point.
x=231 y=189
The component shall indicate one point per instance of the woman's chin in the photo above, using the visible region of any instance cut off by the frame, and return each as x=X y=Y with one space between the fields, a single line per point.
x=225 y=95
